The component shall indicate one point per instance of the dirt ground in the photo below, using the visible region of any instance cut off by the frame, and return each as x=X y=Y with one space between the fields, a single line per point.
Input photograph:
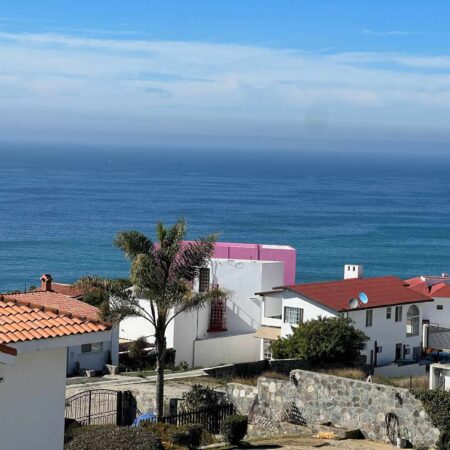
x=305 y=443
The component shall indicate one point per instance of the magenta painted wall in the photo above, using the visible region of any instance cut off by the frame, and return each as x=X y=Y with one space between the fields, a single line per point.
x=261 y=252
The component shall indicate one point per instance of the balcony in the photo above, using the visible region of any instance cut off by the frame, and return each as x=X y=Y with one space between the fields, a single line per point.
x=271 y=311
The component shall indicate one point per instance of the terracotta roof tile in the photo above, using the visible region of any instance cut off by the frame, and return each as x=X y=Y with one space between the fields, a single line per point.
x=21 y=321
x=382 y=291
x=67 y=289
x=57 y=301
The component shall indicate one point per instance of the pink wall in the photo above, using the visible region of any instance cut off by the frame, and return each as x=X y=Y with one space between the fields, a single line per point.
x=261 y=252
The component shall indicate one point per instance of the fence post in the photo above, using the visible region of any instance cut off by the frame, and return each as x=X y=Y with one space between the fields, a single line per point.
x=89 y=407
x=119 y=409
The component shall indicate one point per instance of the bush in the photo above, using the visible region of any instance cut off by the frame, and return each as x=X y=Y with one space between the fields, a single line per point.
x=234 y=429
x=437 y=405
x=189 y=436
x=200 y=397
x=327 y=340
x=109 y=437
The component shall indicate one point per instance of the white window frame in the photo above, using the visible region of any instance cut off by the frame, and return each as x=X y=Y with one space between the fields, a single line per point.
x=369 y=318
x=287 y=315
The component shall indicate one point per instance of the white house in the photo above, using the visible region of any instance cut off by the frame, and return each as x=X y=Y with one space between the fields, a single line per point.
x=33 y=350
x=389 y=314
x=90 y=356
x=436 y=315
x=223 y=333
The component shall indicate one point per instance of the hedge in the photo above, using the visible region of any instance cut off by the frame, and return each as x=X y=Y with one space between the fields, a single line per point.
x=234 y=428
x=437 y=405
x=109 y=437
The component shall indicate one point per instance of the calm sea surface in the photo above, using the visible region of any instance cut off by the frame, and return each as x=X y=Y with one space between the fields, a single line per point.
x=59 y=214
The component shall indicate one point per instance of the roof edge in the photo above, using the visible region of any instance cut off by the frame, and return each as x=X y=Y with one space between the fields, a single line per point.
x=54 y=310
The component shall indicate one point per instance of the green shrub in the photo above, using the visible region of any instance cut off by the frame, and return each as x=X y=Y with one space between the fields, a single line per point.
x=189 y=436
x=200 y=397
x=234 y=428
x=437 y=405
x=109 y=437
x=327 y=340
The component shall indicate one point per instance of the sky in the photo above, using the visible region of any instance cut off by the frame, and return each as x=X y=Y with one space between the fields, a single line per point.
x=231 y=73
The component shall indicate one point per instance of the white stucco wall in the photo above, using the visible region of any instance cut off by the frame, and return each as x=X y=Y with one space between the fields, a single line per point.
x=438 y=317
x=242 y=278
x=311 y=310
x=32 y=401
x=94 y=360
x=387 y=332
x=136 y=327
x=227 y=350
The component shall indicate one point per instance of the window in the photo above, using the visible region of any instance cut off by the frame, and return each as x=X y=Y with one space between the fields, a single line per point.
x=412 y=321
x=203 y=280
x=369 y=317
x=267 y=347
x=440 y=307
x=292 y=315
x=388 y=313
x=379 y=349
x=398 y=313
x=217 y=320
x=89 y=348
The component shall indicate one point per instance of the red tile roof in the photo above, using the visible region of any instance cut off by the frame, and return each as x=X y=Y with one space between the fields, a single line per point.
x=59 y=301
x=66 y=289
x=381 y=291
x=437 y=290
x=440 y=290
x=22 y=320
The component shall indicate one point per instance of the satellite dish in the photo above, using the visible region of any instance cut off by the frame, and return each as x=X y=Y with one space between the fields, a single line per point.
x=363 y=297
x=353 y=303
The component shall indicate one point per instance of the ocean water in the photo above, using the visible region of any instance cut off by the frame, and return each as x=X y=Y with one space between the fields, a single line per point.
x=60 y=210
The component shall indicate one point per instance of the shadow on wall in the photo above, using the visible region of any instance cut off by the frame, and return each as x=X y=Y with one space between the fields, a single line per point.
x=343 y=402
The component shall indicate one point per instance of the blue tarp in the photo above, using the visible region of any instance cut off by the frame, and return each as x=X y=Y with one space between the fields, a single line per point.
x=143 y=417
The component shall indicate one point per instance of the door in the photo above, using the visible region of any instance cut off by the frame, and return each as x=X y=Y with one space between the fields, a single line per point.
x=398 y=352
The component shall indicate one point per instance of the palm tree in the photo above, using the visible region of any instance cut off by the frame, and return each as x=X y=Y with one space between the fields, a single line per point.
x=163 y=273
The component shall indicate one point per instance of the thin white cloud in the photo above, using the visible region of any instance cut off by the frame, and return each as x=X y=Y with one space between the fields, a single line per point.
x=404 y=32
x=104 y=87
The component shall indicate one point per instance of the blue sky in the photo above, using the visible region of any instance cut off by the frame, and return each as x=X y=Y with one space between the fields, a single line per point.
x=218 y=73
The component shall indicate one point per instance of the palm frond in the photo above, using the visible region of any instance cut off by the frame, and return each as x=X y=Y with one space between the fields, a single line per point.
x=133 y=243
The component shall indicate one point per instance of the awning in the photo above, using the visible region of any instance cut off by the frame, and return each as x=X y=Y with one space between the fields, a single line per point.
x=270 y=333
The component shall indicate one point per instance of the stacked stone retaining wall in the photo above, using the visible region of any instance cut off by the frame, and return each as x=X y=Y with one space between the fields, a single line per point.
x=346 y=403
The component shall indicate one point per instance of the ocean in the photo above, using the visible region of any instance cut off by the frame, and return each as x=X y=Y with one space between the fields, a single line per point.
x=60 y=209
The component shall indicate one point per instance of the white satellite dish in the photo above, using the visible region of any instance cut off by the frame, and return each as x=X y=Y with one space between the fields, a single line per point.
x=353 y=303
x=363 y=298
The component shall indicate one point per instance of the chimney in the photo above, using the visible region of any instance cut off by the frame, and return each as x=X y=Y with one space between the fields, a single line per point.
x=46 y=282
x=352 y=271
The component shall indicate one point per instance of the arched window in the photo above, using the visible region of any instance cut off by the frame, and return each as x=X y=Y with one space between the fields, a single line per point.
x=412 y=321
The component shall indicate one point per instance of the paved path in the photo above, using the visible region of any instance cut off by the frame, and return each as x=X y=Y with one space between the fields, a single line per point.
x=115 y=381
x=305 y=443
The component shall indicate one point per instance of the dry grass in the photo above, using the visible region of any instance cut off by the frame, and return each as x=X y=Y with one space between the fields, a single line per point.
x=275 y=375
x=252 y=381
x=347 y=372
x=417 y=382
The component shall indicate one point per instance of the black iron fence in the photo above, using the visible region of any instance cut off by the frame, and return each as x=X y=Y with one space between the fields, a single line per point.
x=211 y=419
x=101 y=407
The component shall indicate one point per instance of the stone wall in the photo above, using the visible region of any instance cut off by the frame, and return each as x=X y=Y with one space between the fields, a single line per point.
x=346 y=403
x=255 y=368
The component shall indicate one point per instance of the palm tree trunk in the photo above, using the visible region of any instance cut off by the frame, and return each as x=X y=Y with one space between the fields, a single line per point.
x=160 y=340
